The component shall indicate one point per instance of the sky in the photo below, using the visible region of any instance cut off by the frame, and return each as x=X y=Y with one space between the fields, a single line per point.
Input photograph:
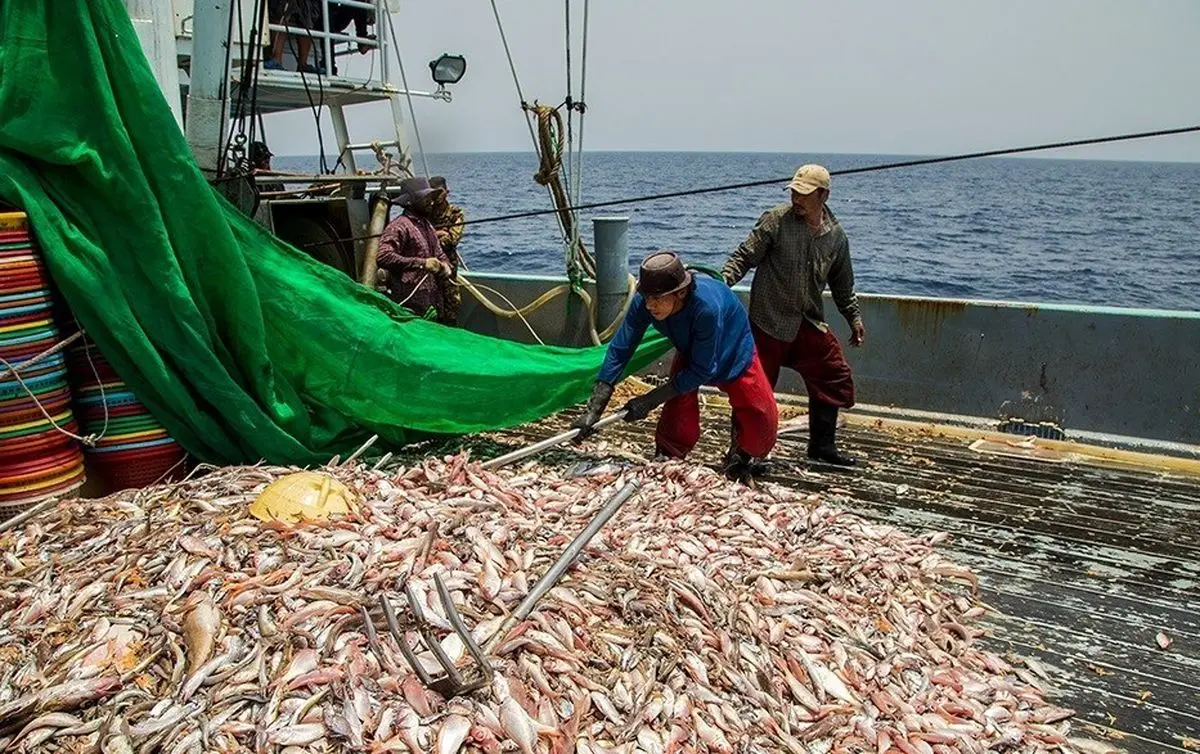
x=857 y=76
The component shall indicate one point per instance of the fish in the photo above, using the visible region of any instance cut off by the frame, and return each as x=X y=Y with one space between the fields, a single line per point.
x=705 y=616
x=452 y=734
x=200 y=629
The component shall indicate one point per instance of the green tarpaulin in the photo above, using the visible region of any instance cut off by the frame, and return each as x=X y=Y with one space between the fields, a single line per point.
x=243 y=347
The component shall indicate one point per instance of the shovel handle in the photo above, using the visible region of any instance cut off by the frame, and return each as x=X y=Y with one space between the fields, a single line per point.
x=564 y=563
x=549 y=442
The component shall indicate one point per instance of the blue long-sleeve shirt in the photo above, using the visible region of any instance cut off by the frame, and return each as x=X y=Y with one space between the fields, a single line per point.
x=711 y=332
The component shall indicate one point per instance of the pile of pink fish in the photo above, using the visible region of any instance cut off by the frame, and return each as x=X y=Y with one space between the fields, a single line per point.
x=705 y=617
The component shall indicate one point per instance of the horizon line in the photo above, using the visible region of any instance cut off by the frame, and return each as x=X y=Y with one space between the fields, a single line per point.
x=905 y=155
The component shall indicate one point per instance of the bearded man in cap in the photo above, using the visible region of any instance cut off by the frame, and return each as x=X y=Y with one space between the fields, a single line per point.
x=413 y=269
x=798 y=249
x=709 y=328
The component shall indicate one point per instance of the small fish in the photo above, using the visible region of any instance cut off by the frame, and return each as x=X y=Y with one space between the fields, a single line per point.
x=705 y=616
x=200 y=629
x=522 y=729
x=452 y=734
x=303 y=734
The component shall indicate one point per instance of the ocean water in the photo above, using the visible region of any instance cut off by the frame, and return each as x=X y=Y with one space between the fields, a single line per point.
x=1064 y=231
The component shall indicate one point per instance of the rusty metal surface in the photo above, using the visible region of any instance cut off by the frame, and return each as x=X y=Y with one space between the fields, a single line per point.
x=1084 y=565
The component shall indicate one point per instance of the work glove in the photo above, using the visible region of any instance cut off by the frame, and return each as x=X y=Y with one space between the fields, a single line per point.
x=601 y=394
x=640 y=407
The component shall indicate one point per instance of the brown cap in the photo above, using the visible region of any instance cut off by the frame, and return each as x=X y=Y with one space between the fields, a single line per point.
x=662 y=272
x=809 y=178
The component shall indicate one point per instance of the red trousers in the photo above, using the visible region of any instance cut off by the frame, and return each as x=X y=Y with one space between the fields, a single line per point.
x=755 y=415
x=816 y=356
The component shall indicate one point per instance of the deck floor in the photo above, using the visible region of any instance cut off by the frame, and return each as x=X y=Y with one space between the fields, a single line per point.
x=1085 y=565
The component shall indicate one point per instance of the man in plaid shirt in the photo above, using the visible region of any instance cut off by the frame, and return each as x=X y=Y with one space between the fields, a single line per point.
x=797 y=249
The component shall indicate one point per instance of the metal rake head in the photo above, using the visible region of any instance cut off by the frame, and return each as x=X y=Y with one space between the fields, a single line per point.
x=452 y=681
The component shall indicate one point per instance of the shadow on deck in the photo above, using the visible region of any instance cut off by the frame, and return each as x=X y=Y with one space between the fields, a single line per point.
x=1085 y=564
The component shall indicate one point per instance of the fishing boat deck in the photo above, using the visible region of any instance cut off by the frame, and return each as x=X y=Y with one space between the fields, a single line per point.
x=1084 y=564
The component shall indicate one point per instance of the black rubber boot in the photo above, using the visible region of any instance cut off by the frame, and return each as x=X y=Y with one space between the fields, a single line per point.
x=737 y=465
x=822 y=427
x=754 y=466
x=761 y=467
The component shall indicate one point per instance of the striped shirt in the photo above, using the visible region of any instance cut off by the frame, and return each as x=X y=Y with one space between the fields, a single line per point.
x=793 y=266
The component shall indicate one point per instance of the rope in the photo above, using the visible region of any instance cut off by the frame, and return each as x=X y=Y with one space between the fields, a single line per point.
x=547 y=297
x=598 y=338
x=416 y=288
x=853 y=171
x=48 y=352
x=407 y=94
x=570 y=119
x=512 y=66
x=313 y=105
x=847 y=171
x=222 y=144
x=549 y=174
x=475 y=291
x=88 y=440
x=577 y=172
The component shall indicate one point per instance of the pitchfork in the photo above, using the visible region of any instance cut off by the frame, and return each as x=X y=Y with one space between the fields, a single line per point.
x=452 y=681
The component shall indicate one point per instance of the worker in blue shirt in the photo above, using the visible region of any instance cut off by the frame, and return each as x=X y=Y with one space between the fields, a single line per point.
x=714 y=345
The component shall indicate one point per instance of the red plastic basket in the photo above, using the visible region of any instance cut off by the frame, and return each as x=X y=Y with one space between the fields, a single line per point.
x=132 y=469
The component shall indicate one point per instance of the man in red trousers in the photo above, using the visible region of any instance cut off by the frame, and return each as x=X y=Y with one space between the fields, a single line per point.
x=797 y=249
x=709 y=328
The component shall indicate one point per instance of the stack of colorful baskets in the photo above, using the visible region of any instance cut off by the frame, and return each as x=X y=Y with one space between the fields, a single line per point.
x=39 y=457
x=131 y=448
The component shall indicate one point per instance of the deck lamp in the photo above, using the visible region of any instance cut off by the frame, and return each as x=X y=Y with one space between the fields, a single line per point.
x=447 y=69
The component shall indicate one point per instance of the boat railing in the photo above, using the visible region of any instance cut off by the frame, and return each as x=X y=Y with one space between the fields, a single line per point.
x=329 y=39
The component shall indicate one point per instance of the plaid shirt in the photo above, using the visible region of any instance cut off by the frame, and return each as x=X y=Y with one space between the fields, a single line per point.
x=794 y=264
x=407 y=242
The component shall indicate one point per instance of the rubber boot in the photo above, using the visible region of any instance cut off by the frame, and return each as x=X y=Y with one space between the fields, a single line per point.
x=822 y=427
x=754 y=466
x=737 y=466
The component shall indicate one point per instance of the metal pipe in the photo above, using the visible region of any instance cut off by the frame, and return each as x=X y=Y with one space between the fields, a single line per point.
x=564 y=562
x=385 y=42
x=371 y=145
x=341 y=132
x=326 y=44
x=208 y=85
x=370 y=261
x=549 y=442
x=300 y=31
x=611 y=245
x=277 y=177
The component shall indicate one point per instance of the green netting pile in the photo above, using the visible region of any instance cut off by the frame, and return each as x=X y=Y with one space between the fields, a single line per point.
x=243 y=347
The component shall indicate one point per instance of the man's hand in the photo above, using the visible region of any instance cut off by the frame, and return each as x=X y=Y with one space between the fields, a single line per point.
x=639 y=408
x=437 y=267
x=858 y=333
x=601 y=394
